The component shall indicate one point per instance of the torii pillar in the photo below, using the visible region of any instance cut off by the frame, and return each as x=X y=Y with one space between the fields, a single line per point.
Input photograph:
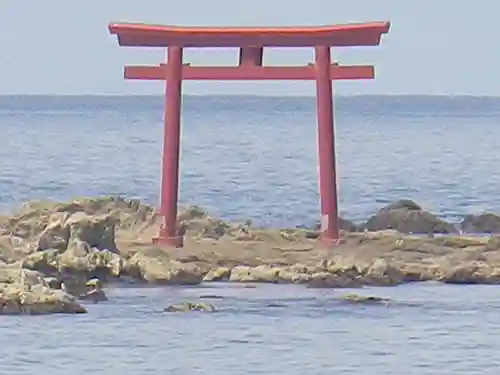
x=251 y=42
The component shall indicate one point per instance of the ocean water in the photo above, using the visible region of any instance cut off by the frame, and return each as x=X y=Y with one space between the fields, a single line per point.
x=256 y=158
x=431 y=330
x=251 y=157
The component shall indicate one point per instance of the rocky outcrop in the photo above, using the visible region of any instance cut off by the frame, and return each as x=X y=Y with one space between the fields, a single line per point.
x=333 y=273
x=406 y=216
x=21 y=299
x=217 y=274
x=162 y=270
x=25 y=292
x=110 y=238
x=366 y=300
x=484 y=223
x=473 y=272
x=190 y=306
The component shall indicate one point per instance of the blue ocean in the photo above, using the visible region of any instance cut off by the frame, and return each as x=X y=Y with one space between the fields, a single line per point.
x=256 y=158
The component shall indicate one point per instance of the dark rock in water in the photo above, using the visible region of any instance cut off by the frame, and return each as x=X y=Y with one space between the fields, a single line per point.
x=95 y=296
x=276 y=305
x=356 y=298
x=54 y=283
x=402 y=203
x=327 y=280
x=484 y=223
x=406 y=216
x=190 y=306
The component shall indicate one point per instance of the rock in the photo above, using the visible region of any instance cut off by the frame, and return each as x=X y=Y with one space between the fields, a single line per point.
x=24 y=299
x=54 y=283
x=382 y=273
x=329 y=280
x=218 y=274
x=56 y=235
x=13 y=248
x=96 y=231
x=80 y=257
x=406 y=216
x=161 y=270
x=262 y=273
x=15 y=275
x=95 y=295
x=484 y=223
x=92 y=291
x=356 y=298
x=474 y=272
x=294 y=275
x=190 y=306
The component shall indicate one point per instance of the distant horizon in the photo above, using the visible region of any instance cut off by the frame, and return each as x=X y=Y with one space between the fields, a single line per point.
x=145 y=95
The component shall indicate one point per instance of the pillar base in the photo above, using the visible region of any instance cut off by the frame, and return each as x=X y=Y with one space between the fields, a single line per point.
x=163 y=240
x=324 y=242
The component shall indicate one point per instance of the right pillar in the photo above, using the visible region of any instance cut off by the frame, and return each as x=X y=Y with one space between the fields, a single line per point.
x=326 y=149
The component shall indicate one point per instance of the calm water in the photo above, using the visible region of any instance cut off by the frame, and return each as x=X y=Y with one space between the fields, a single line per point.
x=256 y=158
x=312 y=334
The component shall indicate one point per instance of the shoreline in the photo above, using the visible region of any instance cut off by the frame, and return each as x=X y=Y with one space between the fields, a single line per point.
x=109 y=238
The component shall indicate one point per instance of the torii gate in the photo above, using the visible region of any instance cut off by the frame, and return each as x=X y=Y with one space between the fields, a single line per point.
x=251 y=42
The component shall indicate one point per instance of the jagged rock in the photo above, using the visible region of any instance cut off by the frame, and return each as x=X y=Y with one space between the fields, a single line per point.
x=96 y=231
x=381 y=272
x=406 y=216
x=28 y=292
x=161 y=270
x=191 y=306
x=262 y=273
x=294 y=275
x=484 y=223
x=10 y=274
x=24 y=299
x=217 y=274
x=474 y=272
x=13 y=248
x=77 y=243
x=80 y=257
x=329 y=280
x=56 y=235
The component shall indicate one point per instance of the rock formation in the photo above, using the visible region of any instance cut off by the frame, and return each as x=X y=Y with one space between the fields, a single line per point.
x=110 y=238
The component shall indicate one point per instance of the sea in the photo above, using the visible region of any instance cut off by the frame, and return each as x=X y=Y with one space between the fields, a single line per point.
x=256 y=158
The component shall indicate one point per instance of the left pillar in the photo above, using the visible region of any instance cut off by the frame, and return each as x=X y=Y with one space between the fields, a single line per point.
x=169 y=234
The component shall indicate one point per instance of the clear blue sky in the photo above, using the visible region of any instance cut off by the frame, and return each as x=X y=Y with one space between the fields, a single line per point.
x=434 y=47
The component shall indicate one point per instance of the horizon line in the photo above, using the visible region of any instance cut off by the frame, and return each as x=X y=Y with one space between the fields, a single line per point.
x=257 y=96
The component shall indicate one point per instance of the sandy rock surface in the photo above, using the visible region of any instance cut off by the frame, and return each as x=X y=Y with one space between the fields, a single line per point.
x=110 y=238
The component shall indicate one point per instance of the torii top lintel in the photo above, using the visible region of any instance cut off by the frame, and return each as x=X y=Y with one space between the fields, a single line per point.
x=354 y=34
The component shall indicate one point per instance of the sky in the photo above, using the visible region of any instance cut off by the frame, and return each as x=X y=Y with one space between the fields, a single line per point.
x=443 y=47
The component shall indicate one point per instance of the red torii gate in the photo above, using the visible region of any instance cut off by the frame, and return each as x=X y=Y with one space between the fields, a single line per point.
x=251 y=42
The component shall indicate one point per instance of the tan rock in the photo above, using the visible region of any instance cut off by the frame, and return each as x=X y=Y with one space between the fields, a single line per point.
x=190 y=306
x=163 y=270
x=356 y=298
x=381 y=272
x=217 y=274
x=471 y=273
x=262 y=273
x=23 y=299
